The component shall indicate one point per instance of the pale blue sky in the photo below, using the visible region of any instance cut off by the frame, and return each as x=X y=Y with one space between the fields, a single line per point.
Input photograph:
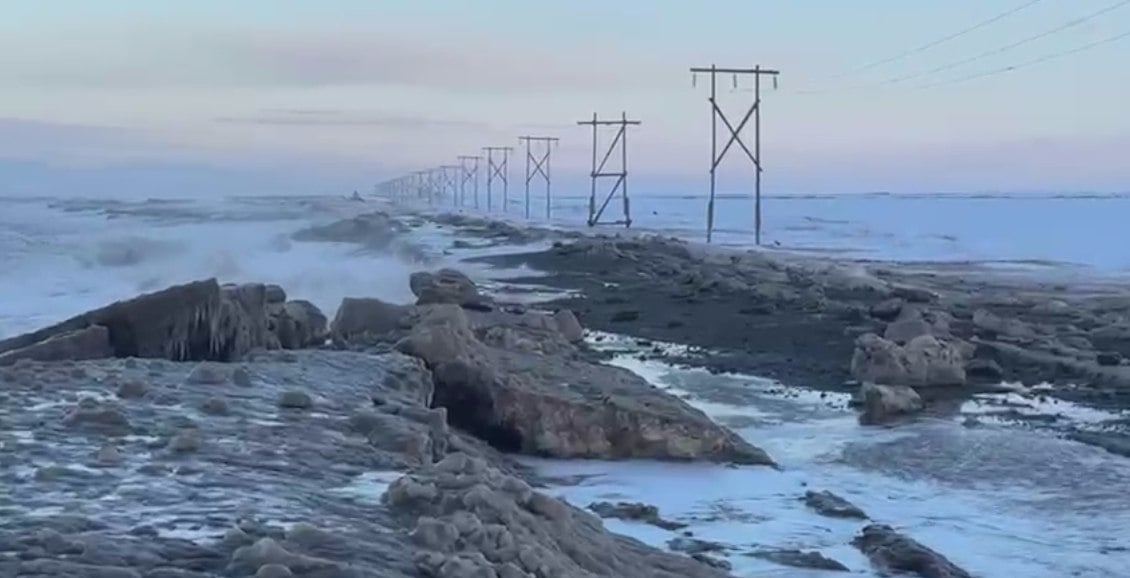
x=359 y=89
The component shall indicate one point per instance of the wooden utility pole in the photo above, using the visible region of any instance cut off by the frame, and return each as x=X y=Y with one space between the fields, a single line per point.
x=469 y=172
x=716 y=114
x=538 y=165
x=621 y=176
x=449 y=174
x=501 y=171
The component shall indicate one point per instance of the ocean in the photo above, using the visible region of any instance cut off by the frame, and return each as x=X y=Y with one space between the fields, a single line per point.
x=999 y=500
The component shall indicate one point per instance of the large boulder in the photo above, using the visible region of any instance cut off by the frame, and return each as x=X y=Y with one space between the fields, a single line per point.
x=569 y=326
x=892 y=552
x=993 y=326
x=298 y=324
x=251 y=318
x=884 y=403
x=373 y=230
x=553 y=403
x=925 y=361
x=472 y=520
x=88 y=343
x=190 y=322
x=359 y=317
x=447 y=286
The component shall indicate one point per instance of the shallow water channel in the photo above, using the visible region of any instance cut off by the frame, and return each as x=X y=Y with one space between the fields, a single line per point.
x=995 y=499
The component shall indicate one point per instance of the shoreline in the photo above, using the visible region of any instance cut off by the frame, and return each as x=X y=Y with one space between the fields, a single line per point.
x=797 y=319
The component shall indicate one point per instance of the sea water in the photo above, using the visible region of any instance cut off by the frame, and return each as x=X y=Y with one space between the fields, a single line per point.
x=995 y=500
x=1045 y=232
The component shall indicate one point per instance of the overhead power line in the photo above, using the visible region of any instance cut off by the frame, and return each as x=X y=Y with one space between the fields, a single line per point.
x=1028 y=63
x=945 y=39
x=999 y=50
x=1007 y=47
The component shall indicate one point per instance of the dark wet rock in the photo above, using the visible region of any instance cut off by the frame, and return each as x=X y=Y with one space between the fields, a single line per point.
x=884 y=403
x=558 y=405
x=48 y=568
x=108 y=456
x=92 y=415
x=447 y=286
x=887 y=310
x=296 y=399
x=245 y=305
x=190 y=322
x=799 y=559
x=248 y=559
x=902 y=331
x=914 y=294
x=389 y=431
x=56 y=473
x=208 y=374
x=132 y=389
x=636 y=512
x=186 y=441
x=375 y=231
x=366 y=317
x=692 y=546
x=984 y=370
x=712 y=562
x=505 y=528
x=625 y=315
x=88 y=343
x=891 y=551
x=215 y=406
x=241 y=377
x=828 y=504
x=1113 y=336
x=1113 y=442
x=298 y=324
x=1109 y=358
x=991 y=325
x=923 y=362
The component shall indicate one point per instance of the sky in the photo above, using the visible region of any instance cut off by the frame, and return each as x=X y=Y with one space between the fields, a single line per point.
x=268 y=96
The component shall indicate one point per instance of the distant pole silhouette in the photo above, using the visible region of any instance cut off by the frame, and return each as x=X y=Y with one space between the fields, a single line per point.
x=469 y=172
x=501 y=171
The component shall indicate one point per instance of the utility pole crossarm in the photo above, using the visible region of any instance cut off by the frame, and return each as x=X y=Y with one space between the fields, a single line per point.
x=608 y=122
x=737 y=70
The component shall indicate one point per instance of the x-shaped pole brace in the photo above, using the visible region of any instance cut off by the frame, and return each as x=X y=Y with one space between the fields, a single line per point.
x=735 y=134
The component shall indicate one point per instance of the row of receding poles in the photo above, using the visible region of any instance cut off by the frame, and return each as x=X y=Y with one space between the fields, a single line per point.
x=432 y=185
